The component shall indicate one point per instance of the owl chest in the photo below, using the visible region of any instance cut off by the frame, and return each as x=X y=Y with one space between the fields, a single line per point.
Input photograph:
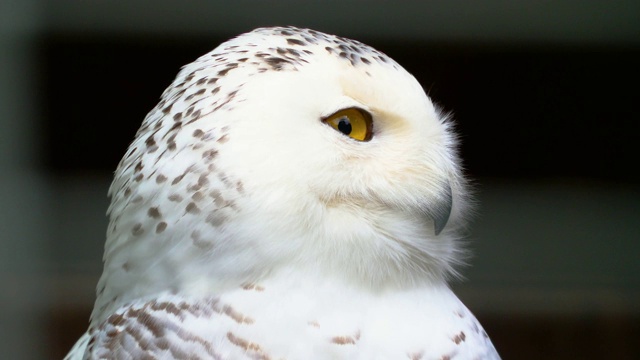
x=279 y=321
x=264 y=322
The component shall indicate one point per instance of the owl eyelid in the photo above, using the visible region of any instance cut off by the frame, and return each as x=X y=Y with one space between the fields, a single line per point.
x=345 y=108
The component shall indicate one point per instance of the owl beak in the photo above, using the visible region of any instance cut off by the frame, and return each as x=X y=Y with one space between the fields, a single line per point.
x=440 y=210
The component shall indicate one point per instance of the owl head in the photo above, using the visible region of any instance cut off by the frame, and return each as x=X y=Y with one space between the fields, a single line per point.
x=285 y=149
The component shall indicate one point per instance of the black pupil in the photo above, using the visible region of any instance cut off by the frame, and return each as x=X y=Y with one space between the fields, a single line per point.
x=344 y=125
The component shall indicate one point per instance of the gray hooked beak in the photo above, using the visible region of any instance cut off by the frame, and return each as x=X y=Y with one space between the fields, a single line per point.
x=440 y=210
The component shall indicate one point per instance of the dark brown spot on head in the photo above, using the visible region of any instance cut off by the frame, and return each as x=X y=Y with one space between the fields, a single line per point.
x=192 y=208
x=160 y=179
x=176 y=125
x=175 y=198
x=197 y=196
x=177 y=179
x=198 y=133
x=224 y=72
x=154 y=213
x=194 y=187
x=209 y=154
x=310 y=40
x=294 y=52
x=161 y=227
x=202 y=180
x=459 y=338
x=217 y=197
x=292 y=41
x=276 y=62
x=137 y=229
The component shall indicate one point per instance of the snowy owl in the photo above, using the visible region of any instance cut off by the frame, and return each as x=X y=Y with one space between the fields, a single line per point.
x=294 y=195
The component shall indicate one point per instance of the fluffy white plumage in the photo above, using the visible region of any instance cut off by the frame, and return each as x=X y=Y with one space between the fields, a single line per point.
x=244 y=226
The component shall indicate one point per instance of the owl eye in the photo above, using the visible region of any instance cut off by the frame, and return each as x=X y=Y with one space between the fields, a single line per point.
x=353 y=122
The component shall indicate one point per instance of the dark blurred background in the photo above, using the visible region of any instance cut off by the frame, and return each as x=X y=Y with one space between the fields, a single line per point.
x=544 y=97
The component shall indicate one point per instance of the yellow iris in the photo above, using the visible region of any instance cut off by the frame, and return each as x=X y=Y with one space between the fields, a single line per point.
x=353 y=122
